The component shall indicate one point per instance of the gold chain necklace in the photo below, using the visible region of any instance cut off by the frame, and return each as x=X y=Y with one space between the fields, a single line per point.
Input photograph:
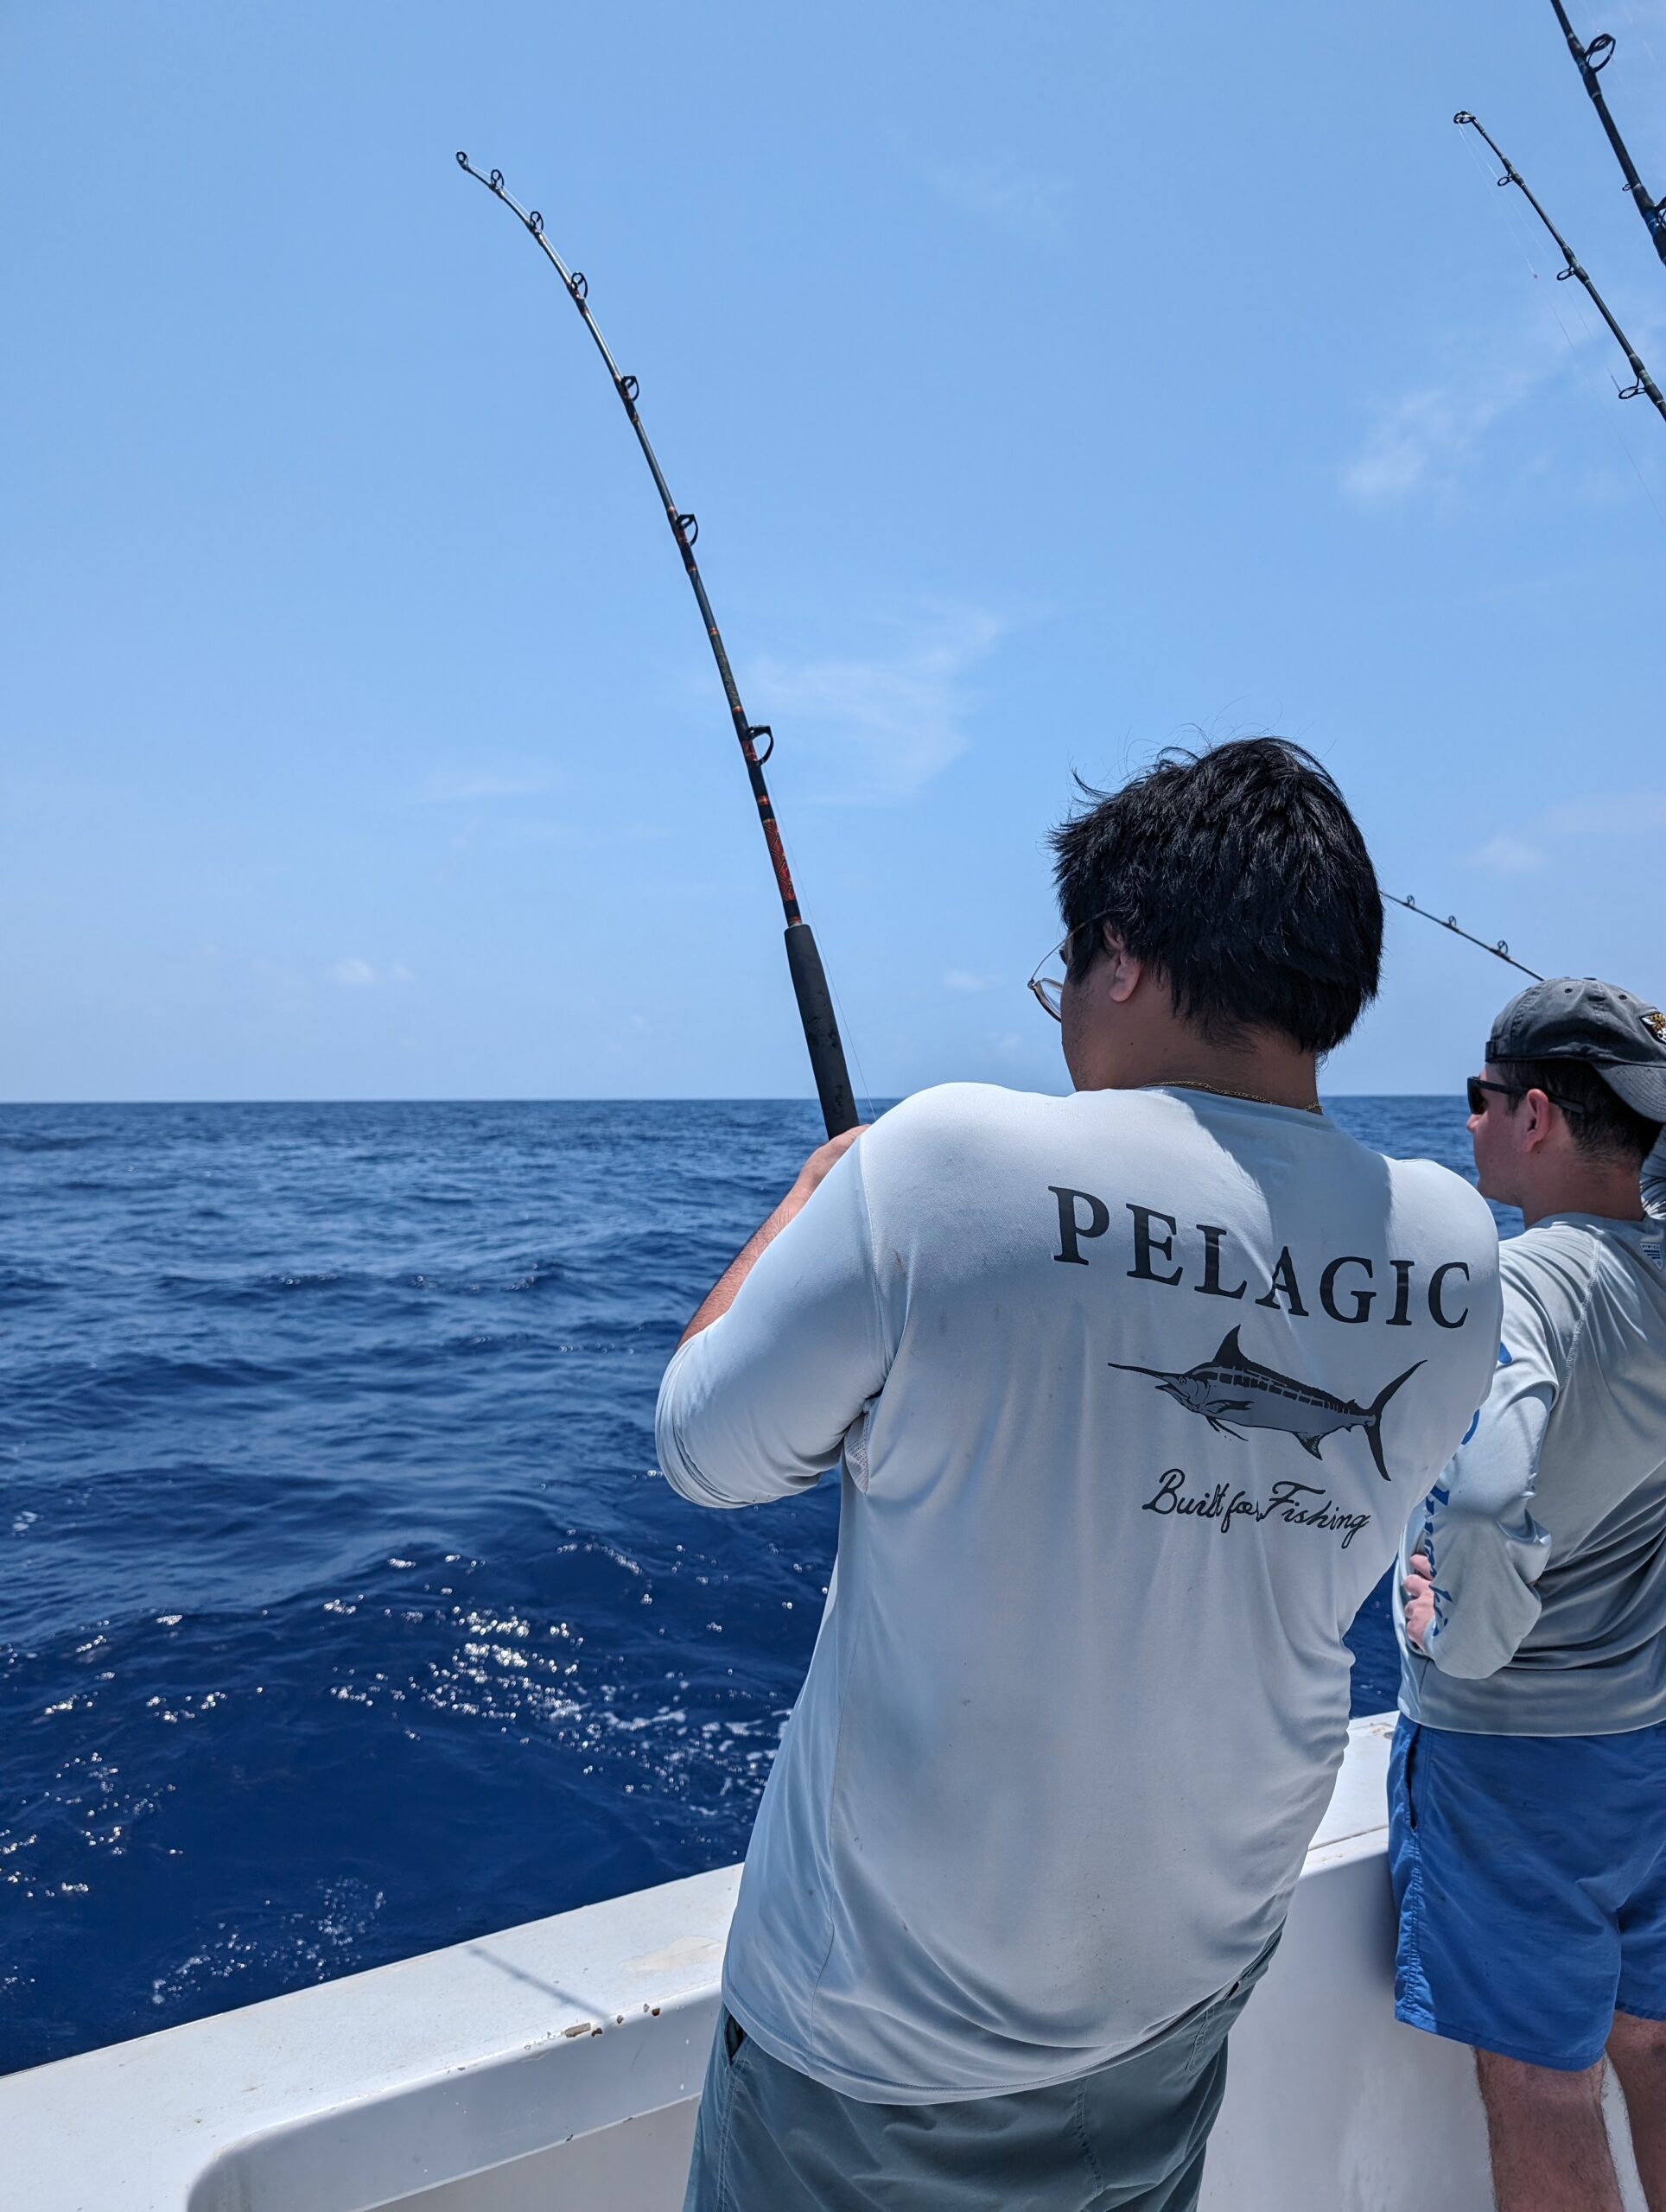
x=1220 y=1090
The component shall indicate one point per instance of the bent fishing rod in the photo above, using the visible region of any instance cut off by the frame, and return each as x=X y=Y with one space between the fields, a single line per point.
x=804 y=961
x=1590 y=61
x=1642 y=381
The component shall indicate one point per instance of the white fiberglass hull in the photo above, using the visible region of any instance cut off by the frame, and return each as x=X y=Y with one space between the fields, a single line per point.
x=557 y=2065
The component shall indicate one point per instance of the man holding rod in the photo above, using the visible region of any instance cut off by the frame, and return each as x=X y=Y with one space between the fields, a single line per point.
x=1130 y=1392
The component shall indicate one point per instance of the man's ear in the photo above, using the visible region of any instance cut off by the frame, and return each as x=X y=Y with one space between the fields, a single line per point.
x=1121 y=973
x=1537 y=1118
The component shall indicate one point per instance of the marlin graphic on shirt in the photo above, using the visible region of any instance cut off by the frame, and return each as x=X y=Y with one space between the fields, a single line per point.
x=1234 y=1392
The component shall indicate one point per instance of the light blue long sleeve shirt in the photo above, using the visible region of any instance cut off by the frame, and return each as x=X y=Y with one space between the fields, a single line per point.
x=1130 y=1395
x=1547 y=1531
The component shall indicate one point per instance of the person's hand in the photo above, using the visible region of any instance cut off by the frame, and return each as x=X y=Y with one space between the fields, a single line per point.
x=1420 y=1601
x=820 y=1161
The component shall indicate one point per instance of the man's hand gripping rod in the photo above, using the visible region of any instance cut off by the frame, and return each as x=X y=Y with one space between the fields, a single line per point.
x=804 y=961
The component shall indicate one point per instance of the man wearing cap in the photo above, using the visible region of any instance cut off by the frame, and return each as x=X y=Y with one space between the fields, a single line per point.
x=1529 y=1781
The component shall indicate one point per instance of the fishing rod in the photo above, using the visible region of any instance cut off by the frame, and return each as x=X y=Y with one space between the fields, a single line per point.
x=1499 y=949
x=1642 y=381
x=804 y=961
x=1591 y=60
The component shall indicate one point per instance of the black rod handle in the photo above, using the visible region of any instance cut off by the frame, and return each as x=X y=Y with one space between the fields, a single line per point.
x=821 y=1029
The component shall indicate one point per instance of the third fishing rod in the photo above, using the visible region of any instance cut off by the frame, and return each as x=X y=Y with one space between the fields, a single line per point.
x=1590 y=61
x=1497 y=946
x=804 y=961
x=1642 y=381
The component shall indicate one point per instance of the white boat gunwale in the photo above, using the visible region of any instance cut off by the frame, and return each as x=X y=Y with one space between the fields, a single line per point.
x=534 y=2067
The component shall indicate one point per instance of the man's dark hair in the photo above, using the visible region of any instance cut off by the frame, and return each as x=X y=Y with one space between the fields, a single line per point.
x=1239 y=874
x=1602 y=1127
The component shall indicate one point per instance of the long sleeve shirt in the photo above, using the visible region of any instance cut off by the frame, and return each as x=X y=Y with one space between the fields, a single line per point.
x=1130 y=1394
x=1547 y=1531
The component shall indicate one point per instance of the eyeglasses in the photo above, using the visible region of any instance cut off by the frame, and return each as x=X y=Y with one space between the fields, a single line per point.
x=1049 y=990
x=1477 y=1089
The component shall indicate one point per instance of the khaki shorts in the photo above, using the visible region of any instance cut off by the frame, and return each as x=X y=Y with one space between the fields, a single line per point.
x=1129 y=2136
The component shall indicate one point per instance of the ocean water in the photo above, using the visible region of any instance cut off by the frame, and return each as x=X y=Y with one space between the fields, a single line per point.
x=341 y=1612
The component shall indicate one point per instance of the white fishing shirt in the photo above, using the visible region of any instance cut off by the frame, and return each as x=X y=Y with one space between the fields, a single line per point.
x=1132 y=1393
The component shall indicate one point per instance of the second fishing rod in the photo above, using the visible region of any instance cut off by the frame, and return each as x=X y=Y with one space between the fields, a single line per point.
x=1591 y=60
x=1641 y=383
x=809 y=984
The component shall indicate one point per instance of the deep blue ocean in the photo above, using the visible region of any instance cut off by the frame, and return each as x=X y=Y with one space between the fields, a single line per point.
x=342 y=1614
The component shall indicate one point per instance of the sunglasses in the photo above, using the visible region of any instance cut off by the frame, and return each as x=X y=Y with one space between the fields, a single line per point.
x=1477 y=1089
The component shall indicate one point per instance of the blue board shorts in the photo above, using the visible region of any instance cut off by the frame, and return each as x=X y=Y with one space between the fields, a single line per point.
x=1530 y=1872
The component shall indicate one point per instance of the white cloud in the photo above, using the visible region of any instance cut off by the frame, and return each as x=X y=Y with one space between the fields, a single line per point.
x=1629 y=814
x=1018 y=199
x=1424 y=442
x=958 y=978
x=1636 y=814
x=881 y=727
x=356 y=974
x=1508 y=855
x=1426 y=439
x=443 y=790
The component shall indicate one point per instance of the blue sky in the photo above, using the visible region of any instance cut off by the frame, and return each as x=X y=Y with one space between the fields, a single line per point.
x=1050 y=384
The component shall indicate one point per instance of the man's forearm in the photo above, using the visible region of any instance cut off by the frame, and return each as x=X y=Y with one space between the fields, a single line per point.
x=724 y=1291
x=1484 y=1592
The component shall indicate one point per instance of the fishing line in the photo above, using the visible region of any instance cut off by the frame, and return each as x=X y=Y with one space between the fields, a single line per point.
x=809 y=984
x=1634 y=21
x=864 y=1095
x=1512 y=213
x=1641 y=383
x=864 y=1090
x=1614 y=430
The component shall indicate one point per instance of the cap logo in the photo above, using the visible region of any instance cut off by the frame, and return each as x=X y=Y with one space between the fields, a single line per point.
x=1654 y=1021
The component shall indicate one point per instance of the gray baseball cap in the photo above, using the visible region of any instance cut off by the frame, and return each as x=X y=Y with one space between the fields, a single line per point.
x=1619 y=1038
